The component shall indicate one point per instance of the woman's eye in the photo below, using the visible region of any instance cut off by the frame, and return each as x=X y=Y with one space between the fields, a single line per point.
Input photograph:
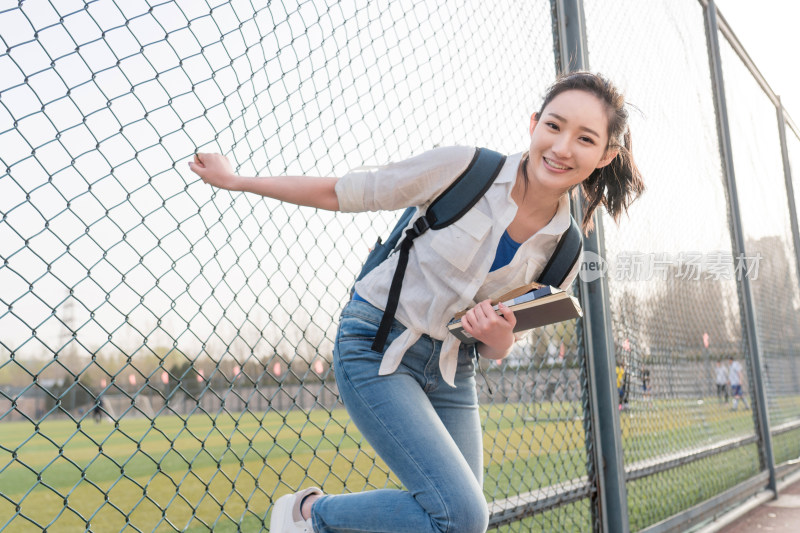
x=552 y=125
x=587 y=140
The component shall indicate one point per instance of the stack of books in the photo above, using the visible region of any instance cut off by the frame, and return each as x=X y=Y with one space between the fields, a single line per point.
x=534 y=305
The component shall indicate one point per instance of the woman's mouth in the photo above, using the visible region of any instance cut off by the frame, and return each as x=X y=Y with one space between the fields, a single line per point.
x=554 y=165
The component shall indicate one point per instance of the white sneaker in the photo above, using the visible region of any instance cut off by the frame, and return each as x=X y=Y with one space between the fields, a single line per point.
x=286 y=517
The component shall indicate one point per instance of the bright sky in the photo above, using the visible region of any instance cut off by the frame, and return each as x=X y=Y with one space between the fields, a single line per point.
x=148 y=242
x=335 y=96
x=768 y=31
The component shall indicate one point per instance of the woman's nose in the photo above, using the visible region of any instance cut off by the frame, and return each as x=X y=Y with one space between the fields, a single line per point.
x=561 y=146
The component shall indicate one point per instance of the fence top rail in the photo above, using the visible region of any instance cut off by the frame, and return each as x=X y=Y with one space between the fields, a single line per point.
x=511 y=509
x=791 y=425
x=726 y=30
x=648 y=467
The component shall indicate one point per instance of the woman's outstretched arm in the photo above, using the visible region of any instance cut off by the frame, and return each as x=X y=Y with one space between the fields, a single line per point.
x=216 y=170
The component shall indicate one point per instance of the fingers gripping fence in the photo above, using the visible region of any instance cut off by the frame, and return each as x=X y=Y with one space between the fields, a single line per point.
x=165 y=349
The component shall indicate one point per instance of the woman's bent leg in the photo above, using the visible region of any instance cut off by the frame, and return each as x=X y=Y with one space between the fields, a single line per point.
x=396 y=416
x=459 y=412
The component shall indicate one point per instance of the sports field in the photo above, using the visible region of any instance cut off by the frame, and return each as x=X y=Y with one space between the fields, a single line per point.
x=220 y=473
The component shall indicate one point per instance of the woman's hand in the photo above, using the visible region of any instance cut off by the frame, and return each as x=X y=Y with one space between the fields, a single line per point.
x=216 y=170
x=495 y=332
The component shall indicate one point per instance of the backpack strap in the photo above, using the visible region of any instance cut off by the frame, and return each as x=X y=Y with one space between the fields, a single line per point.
x=382 y=249
x=464 y=193
x=564 y=257
x=448 y=207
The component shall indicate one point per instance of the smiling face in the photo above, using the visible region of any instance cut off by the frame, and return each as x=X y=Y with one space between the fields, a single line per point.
x=568 y=141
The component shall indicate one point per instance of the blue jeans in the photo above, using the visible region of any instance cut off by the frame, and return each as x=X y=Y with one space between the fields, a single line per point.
x=428 y=433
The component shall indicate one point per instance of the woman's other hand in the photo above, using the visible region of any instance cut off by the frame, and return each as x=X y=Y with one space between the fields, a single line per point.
x=495 y=332
x=215 y=169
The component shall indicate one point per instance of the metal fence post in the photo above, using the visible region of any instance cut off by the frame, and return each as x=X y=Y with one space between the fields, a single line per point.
x=787 y=174
x=607 y=435
x=737 y=232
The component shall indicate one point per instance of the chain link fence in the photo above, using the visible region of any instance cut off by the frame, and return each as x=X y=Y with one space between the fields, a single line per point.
x=675 y=274
x=165 y=348
x=784 y=374
x=674 y=298
x=776 y=290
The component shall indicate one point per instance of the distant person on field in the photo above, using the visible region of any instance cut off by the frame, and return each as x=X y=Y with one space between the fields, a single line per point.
x=97 y=411
x=552 y=353
x=721 y=379
x=622 y=389
x=645 y=381
x=735 y=378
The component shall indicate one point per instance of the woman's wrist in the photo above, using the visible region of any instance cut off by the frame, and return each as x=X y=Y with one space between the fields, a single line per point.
x=496 y=352
x=241 y=183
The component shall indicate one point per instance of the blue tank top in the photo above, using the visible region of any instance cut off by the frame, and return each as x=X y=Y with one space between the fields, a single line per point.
x=506 y=249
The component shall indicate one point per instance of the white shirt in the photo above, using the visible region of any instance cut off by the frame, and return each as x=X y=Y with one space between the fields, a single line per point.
x=448 y=269
x=734 y=373
x=722 y=375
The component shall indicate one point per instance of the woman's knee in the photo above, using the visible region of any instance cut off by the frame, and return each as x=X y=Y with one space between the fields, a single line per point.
x=476 y=521
x=467 y=514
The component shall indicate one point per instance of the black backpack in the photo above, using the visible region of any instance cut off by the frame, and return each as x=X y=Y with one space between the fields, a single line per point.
x=447 y=208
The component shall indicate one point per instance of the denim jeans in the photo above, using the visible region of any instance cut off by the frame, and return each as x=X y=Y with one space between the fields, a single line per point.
x=427 y=432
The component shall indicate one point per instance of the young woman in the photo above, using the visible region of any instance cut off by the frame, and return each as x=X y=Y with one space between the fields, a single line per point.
x=417 y=402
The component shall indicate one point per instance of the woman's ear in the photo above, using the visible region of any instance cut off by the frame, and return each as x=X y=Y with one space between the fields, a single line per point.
x=608 y=157
x=534 y=121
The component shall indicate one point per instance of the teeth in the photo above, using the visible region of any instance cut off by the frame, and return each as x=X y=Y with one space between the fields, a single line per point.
x=555 y=165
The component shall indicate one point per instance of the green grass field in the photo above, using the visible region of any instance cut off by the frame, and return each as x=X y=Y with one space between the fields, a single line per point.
x=221 y=473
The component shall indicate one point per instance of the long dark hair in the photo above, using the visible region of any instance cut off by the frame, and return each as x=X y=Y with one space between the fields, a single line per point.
x=619 y=183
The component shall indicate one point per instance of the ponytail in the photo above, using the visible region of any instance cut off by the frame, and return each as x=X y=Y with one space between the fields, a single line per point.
x=615 y=185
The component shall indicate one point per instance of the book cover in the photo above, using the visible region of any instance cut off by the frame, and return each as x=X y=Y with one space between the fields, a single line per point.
x=538 y=307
